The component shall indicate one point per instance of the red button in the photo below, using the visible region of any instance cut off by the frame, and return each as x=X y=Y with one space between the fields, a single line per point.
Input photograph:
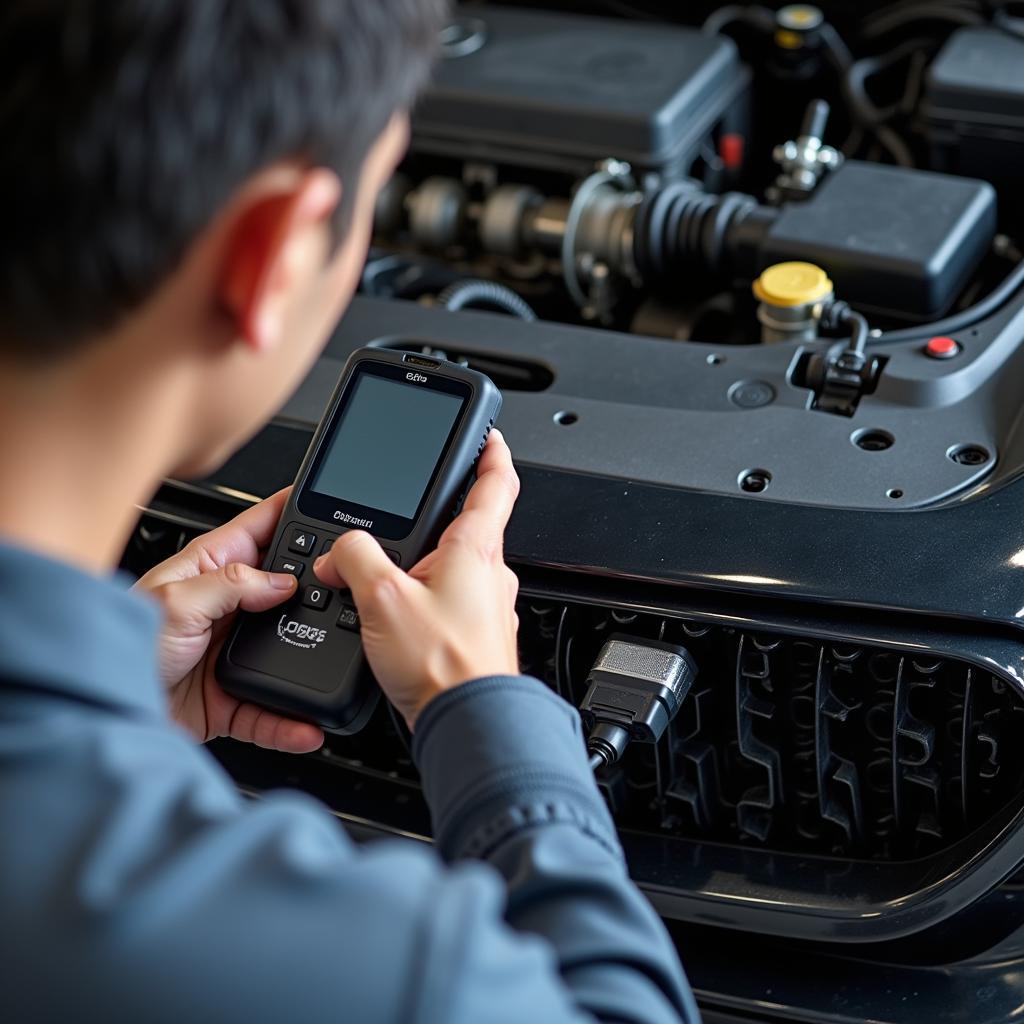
x=941 y=347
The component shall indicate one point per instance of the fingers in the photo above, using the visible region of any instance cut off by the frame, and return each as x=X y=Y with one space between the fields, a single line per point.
x=260 y=521
x=358 y=562
x=239 y=540
x=191 y=606
x=491 y=499
x=511 y=584
x=251 y=724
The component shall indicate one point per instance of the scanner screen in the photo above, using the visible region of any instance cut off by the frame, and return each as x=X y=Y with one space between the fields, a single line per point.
x=386 y=447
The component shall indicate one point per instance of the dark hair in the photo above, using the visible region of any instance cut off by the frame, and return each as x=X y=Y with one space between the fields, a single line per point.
x=125 y=125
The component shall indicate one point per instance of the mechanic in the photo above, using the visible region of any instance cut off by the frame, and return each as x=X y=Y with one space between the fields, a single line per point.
x=189 y=187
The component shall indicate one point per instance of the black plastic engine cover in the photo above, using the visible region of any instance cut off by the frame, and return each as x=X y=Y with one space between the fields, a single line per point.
x=974 y=107
x=564 y=91
x=895 y=241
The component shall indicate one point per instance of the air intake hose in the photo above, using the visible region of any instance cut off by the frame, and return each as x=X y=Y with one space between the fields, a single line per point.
x=680 y=228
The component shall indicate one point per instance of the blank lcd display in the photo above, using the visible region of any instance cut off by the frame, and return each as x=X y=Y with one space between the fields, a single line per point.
x=387 y=445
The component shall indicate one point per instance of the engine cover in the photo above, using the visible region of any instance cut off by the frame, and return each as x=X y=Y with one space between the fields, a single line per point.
x=551 y=90
x=896 y=241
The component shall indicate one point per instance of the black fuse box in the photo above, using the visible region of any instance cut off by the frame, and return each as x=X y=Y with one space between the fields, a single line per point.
x=974 y=106
x=896 y=242
x=562 y=92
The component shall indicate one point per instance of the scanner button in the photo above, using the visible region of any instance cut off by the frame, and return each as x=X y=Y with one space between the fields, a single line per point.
x=302 y=542
x=349 y=618
x=394 y=556
x=296 y=568
x=316 y=597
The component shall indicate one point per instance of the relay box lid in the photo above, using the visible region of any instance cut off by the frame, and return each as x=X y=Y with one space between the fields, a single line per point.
x=974 y=110
x=578 y=89
x=896 y=242
x=978 y=74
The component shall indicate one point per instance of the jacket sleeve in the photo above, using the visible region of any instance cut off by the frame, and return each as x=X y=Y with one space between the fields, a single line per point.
x=136 y=884
x=506 y=776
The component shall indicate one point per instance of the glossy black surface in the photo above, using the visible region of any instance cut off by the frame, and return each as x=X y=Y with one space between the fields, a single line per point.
x=961 y=562
x=964 y=561
x=742 y=982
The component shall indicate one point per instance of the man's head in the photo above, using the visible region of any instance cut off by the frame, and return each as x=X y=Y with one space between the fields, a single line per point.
x=188 y=185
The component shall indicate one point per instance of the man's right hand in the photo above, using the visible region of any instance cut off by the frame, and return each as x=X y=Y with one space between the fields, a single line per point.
x=452 y=617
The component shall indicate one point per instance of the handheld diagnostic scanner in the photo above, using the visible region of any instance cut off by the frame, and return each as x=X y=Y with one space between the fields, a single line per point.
x=394 y=455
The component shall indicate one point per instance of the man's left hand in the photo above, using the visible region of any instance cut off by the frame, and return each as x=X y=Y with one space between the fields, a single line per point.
x=200 y=589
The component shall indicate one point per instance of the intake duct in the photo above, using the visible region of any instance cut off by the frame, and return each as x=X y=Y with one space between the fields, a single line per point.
x=681 y=229
x=898 y=243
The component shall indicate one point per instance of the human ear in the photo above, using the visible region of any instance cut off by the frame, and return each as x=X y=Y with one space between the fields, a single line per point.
x=277 y=242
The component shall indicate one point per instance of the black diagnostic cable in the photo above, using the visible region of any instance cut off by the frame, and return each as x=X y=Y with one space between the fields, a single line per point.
x=634 y=689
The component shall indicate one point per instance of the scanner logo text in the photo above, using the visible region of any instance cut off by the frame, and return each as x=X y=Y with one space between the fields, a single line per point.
x=344 y=517
x=298 y=634
x=416 y=378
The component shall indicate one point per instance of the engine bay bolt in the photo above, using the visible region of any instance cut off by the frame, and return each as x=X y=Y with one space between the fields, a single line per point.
x=969 y=455
x=754 y=481
x=805 y=159
x=618 y=169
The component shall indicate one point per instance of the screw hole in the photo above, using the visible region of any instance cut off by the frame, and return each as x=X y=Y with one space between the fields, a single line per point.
x=565 y=418
x=754 y=481
x=872 y=440
x=969 y=455
x=894 y=492
x=715 y=360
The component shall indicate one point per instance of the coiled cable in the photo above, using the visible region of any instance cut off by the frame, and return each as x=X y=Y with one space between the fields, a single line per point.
x=475 y=293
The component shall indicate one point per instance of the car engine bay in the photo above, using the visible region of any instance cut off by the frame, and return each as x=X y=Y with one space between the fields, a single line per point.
x=752 y=286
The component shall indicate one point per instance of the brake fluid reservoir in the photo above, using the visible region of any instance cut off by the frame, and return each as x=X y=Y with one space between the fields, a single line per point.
x=791 y=296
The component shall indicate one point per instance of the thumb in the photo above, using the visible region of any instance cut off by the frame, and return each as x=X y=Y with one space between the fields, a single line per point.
x=191 y=606
x=358 y=562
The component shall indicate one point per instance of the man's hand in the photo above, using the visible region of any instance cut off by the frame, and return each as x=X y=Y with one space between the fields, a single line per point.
x=200 y=589
x=452 y=617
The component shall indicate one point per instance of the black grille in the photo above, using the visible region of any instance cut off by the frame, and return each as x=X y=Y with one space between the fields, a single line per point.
x=785 y=743
x=800 y=744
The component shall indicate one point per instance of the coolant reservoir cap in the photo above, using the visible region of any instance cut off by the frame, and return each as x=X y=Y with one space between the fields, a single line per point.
x=792 y=284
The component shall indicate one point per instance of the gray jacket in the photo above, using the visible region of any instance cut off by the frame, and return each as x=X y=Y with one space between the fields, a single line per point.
x=136 y=885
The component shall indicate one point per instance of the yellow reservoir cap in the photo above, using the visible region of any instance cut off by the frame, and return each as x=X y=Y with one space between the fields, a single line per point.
x=792 y=284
